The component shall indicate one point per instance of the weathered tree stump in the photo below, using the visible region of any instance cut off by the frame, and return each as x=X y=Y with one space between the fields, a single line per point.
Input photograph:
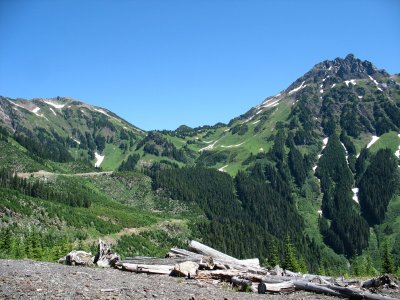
x=104 y=256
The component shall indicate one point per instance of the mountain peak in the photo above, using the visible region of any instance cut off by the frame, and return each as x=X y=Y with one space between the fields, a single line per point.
x=342 y=69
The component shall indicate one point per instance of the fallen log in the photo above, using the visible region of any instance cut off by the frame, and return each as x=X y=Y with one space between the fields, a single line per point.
x=315 y=288
x=149 y=269
x=339 y=291
x=228 y=261
x=354 y=293
x=224 y=275
x=159 y=261
x=217 y=255
x=380 y=281
x=176 y=252
x=283 y=287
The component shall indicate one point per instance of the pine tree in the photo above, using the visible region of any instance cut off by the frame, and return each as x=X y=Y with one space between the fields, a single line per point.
x=387 y=258
x=291 y=262
x=273 y=257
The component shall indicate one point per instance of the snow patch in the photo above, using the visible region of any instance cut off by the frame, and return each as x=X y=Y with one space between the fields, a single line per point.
x=208 y=142
x=374 y=139
x=59 y=106
x=314 y=168
x=370 y=77
x=397 y=153
x=101 y=111
x=222 y=169
x=321 y=91
x=260 y=111
x=319 y=156
x=54 y=113
x=320 y=211
x=330 y=68
x=298 y=88
x=360 y=97
x=261 y=149
x=344 y=147
x=325 y=142
x=209 y=147
x=35 y=110
x=352 y=81
x=255 y=122
x=13 y=103
x=249 y=119
x=355 y=194
x=76 y=141
x=271 y=104
x=333 y=85
x=99 y=159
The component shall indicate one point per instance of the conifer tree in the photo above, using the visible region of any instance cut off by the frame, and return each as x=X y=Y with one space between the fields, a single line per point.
x=387 y=258
x=273 y=257
x=291 y=262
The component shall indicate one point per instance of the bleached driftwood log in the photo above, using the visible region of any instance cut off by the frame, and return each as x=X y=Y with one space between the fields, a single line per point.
x=222 y=259
x=283 y=287
x=149 y=269
x=217 y=255
x=335 y=290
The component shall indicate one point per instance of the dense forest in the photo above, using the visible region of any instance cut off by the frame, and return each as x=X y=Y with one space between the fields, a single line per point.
x=74 y=196
x=245 y=214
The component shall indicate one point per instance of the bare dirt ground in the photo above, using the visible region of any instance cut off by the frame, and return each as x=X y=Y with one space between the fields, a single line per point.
x=47 y=174
x=26 y=279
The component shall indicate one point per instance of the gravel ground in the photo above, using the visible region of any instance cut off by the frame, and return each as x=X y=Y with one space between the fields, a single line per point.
x=26 y=279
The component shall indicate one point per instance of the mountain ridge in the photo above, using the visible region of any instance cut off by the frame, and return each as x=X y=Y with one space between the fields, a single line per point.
x=310 y=152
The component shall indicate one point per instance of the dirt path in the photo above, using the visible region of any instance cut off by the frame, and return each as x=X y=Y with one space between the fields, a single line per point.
x=46 y=174
x=111 y=239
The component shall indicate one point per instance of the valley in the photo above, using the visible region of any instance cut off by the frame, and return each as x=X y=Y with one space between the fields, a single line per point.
x=313 y=168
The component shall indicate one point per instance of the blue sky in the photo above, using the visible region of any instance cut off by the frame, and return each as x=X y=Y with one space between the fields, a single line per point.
x=160 y=64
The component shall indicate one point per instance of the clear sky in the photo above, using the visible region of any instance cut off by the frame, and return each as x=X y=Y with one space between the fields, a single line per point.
x=160 y=64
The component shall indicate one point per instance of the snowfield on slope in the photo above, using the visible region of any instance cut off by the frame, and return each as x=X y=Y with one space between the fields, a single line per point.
x=373 y=141
x=355 y=194
x=298 y=88
x=222 y=169
x=99 y=159
x=55 y=105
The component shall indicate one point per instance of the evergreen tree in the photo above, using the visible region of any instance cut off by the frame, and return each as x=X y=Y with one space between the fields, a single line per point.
x=273 y=255
x=387 y=258
x=291 y=262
